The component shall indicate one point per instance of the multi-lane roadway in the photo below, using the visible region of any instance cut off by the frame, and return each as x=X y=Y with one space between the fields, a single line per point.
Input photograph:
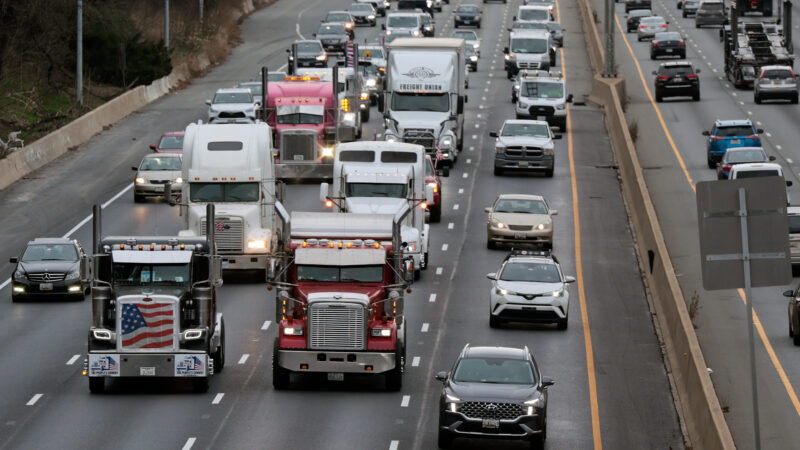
x=611 y=385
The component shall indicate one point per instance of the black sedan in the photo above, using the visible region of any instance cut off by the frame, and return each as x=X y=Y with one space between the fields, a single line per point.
x=467 y=15
x=667 y=43
x=631 y=5
x=677 y=79
x=334 y=37
x=491 y=393
x=48 y=268
x=634 y=17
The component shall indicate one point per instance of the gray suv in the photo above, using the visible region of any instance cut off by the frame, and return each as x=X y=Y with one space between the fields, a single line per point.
x=544 y=98
x=775 y=82
x=524 y=145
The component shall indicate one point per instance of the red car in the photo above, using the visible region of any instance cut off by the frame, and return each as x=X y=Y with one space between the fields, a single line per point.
x=169 y=143
x=432 y=178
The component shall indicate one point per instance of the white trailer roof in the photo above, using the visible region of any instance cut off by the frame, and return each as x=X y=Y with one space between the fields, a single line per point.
x=430 y=43
x=320 y=225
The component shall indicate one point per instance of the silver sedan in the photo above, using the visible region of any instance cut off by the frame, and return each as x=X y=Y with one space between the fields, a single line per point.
x=649 y=26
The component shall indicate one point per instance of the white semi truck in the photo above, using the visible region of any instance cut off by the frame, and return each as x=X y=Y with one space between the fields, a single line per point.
x=232 y=167
x=425 y=94
x=372 y=177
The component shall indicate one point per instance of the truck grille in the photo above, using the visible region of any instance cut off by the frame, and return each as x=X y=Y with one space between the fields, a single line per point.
x=147 y=326
x=231 y=115
x=298 y=148
x=541 y=110
x=420 y=136
x=46 y=277
x=488 y=410
x=336 y=326
x=523 y=151
x=228 y=234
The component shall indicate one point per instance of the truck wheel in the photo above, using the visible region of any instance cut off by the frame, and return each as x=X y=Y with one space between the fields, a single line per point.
x=280 y=376
x=365 y=115
x=794 y=99
x=394 y=377
x=444 y=439
x=97 y=385
x=710 y=162
x=436 y=213
x=548 y=173
x=427 y=261
x=219 y=355
x=200 y=384
x=498 y=171
x=757 y=99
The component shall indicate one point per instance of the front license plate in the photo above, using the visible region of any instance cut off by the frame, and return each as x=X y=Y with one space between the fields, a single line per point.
x=736 y=141
x=298 y=157
x=541 y=118
x=523 y=163
x=46 y=287
x=224 y=264
x=158 y=189
x=491 y=423
x=147 y=371
x=519 y=235
x=335 y=376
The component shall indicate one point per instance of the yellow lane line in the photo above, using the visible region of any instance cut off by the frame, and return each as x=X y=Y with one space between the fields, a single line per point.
x=787 y=385
x=587 y=334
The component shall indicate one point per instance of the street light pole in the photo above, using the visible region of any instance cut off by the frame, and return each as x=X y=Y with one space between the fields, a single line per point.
x=166 y=23
x=79 y=67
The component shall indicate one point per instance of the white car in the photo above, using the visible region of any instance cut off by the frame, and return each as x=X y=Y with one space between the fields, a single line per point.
x=529 y=287
x=470 y=37
x=236 y=105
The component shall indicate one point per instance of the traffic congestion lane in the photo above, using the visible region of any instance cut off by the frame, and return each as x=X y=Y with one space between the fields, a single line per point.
x=721 y=321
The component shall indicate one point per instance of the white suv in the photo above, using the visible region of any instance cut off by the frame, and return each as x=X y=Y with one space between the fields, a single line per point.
x=235 y=105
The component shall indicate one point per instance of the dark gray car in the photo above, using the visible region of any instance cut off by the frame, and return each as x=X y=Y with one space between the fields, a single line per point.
x=307 y=53
x=48 y=268
x=334 y=37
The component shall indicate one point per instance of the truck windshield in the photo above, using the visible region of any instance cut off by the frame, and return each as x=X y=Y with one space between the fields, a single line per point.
x=407 y=101
x=529 y=45
x=376 y=190
x=146 y=274
x=336 y=274
x=526 y=129
x=542 y=90
x=224 y=192
x=298 y=118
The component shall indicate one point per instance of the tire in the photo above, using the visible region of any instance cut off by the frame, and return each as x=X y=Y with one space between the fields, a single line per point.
x=548 y=173
x=436 y=213
x=219 y=356
x=794 y=99
x=757 y=99
x=498 y=172
x=684 y=14
x=427 y=261
x=494 y=322
x=17 y=299
x=639 y=38
x=659 y=97
x=373 y=24
x=138 y=198
x=97 y=385
x=652 y=56
x=562 y=323
x=696 y=97
x=490 y=244
x=513 y=99
x=795 y=340
x=479 y=26
x=537 y=443
x=562 y=125
x=200 y=385
x=394 y=377
x=280 y=376
x=444 y=439
x=710 y=162
x=365 y=115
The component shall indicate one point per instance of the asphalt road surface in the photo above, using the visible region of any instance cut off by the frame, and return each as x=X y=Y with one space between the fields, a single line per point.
x=611 y=385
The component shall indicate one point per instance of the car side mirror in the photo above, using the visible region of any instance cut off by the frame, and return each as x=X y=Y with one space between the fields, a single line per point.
x=788 y=183
x=134 y=168
x=491 y=276
x=557 y=136
x=494 y=134
x=547 y=382
x=772 y=158
x=383 y=26
x=487 y=209
x=13 y=260
x=443 y=172
x=314 y=34
x=569 y=279
x=288 y=51
x=788 y=293
x=153 y=147
x=706 y=133
x=654 y=72
x=441 y=376
x=508 y=29
x=553 y=212
x=698 y=70
x=569 y=98
x=514 y=18
x=759 y=130
x=208 y=102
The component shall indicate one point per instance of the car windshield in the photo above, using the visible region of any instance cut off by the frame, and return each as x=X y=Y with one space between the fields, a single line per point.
x=653 y=20
x=520 y=206
x=233 y=97
x=361 y=7
x=370 y=53
x=224 y=192
x=533 y=272
x=530 y=26
x=539 y=89
x=668 y=36
x=171 y=142
x=146 y=274
x=528 y=45
x=408 y=101
x=160 y=163
x=735 y=131
x=794 y=224
x=757 y=173
x=402 y=21
x=494 y=370
x=333 y=29
x=255 y=88
x=466 y=35
x=467 y=9
x=338 y=17
x=469 y=50
x=389 y=190
x=534 y=14
x=525 y=129
x=429 y=167
x=307 y=47
x=340 y=274
x=777 y=74
x=745 y=156
x=50 y=252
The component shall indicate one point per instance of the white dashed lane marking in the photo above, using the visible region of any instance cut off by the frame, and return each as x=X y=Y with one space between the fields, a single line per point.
x=425 y=327
x=36 y=398
x=189 y=443
x=217 y=398
x=444 y=247
x=266 y=325
x=406 y=400
x=432 y=298
x=450 y=225
x=73 y=359
x=415 y=362
x=243 y=359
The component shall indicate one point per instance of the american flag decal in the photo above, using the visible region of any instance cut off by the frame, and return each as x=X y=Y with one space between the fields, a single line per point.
x=147 y=325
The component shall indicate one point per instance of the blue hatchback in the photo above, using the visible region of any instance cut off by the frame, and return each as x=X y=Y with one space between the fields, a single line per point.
x=726 y=134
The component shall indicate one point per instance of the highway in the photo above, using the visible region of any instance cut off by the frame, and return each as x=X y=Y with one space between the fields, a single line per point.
x=672 y=152
x=611 y=386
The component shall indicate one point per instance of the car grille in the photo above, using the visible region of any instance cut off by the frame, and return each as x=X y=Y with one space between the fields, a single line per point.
x=336 y=326
x=46 y=277
x=231 y=115
x=541 y=110
x=228 y=234
x=523 y=151
x=529 y=64
x=420 y=136
x=161 y=324
x=520 y=227
x=488 y=410
x=298 y=147
x=158 y=181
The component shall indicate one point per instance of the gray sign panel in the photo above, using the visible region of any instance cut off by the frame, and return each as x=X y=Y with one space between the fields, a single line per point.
x=720 y=223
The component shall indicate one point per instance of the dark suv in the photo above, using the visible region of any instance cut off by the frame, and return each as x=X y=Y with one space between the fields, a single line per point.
x=49 y=267
x=677 y=79
x=493 y=393
x=637 y=4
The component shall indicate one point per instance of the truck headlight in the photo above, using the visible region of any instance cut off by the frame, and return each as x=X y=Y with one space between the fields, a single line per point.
x=415 y=33
x=348 y=25
x=327 y=152
x=178 y=180
x=500 y=149
x=561 y=107
x=365 y=95
x=193 y=334
x=476 y=45
x=446 y=142
x=322 y=57
x=293 y=331
x=388 y=32
x=381 y=332
x=101 y=334
x=140 y=180
x=473 y=58
x=257 y=244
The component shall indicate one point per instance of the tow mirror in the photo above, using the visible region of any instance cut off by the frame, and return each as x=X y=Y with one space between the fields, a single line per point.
x=494 y=134
x=13 y=260
x=547 y=382
x=153 y=147
x=569 y=279
x=429 y=194
x=324 y=192
x=85 y=269
x=772 y=158
x=441 y=376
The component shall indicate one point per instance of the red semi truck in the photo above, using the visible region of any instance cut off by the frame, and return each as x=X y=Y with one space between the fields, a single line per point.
x=340 y=298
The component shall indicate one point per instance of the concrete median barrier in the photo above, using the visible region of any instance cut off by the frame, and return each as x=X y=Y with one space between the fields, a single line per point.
x=699 y=406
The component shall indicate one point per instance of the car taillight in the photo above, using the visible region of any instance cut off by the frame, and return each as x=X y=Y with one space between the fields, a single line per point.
x=726 y=168
x=642 y=26
x=691 y=76
x=752 y=136
x=717 y=138
x=664 y=26
x=681 y=44
x=655 y=44
x=663 y=77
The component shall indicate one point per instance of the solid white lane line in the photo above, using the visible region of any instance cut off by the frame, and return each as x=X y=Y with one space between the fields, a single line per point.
x=433 y=298
x=425 y=327
x=450 y=225
x=189 y=443
x=444 y=247
x=439 y=271
x=73 y=359
x=34 y=399
x=5 y=283
x=266 y=324
x=243 y=359
x=405 y=401
x=217 y=398
x=393 y=445
x=415 y=361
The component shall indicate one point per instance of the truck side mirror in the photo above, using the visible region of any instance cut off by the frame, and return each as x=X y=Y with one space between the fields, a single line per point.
x=383 y=26
x=168 y=197
x=505 y=50
x=324 y=192
x=215 y=270
x=429 y=194
x=569 y=98
x=134 y=168
x=86 y=268
x=460 y=105
x=408 y=273
x=494 y=134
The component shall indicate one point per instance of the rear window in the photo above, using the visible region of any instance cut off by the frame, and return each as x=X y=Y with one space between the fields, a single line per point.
x=745 y=156
x=398 y=157
x=794 y=224
x=675 y=70
x=757 y=173
x=670 y=36
x=780 y=74
x=735 y=130
x=653 y=20
x=711 y=6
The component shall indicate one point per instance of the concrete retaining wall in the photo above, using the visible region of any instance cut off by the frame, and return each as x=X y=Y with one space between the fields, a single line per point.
x=699 y=406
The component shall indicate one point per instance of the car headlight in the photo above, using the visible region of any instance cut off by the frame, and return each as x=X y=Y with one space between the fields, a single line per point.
x=446 y=142
x=498 y=224
x=257 y=244
x=322 y=57
x=547 y=151
x=476 y=45
x=19 y=276
x=388 y=32
x=561 y=107
x=140 y=180
x=499 y=291
x=371 y=17
x=348 y=25
x=415 y=33
x=559 y=293
x=327 y=152
x=371 y=82
x=293 y=331
x=212 y=110
x=453 y=403
x=364 y=96
x=532 y=405
x=381 y=332
x=541 y=226
x=178 y=180
x=349 y=117
x=75 y=274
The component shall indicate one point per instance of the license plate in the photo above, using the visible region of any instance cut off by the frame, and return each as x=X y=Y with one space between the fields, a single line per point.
x=541 y=118
x=147 y=371
x=669 y=50
x=519 y=235
x=335 y=376
x=678 y=79
x=158 y=189
x=736 y=141
x=298 y=157
x=46 y=287
x=523 y=163
x=491 y=423
x=224 y=264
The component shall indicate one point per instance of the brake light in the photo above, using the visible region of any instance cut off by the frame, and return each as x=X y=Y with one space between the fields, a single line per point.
x=663 y=77
x=726 y=168
x=642 y=27
x=681 y=44
x=655 y=44
x=717 y=138
x=691 y=76
x=664 y=26
x=752 y=136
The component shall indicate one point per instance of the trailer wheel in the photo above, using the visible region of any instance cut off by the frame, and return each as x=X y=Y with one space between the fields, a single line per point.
x=97 y=385
x=280 y=376
x=219 y=355
x=394 y=377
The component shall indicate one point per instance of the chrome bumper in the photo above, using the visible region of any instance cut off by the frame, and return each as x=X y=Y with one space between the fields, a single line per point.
x=336 y=361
